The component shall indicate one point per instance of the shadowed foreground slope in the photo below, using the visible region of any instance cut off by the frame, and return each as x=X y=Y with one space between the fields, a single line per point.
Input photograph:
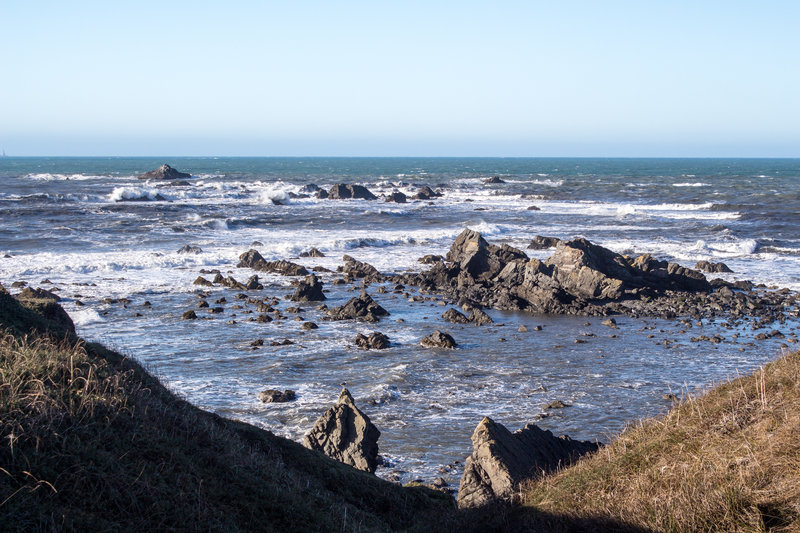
x=91 y=441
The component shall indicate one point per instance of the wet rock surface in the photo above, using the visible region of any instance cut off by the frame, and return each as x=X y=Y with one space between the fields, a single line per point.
x=309 y=290
x=343 y=191
x=253 y=259
x=438 y=339
x=501 y=460
x=346 y=434
x=276 y=396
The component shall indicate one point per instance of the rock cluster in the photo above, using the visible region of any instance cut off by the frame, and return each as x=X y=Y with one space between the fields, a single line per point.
x=501 y=460
x=346 y=434
x=581 y=278
x=707 y=266
x=309 y=290
x=362 y=307
x=164 y=172
x=276 y=396
x=359 y=269
x=342 y=191
x=438 y=339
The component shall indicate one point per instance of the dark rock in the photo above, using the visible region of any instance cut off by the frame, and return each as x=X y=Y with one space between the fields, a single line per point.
x=438 y=339
x=426 y=193
x=309 y=290
x=189 y=315
x=610 y=322
x=253 y=284
x=479 y=318
x=396 y=197
x=309 y=326
x=284 y=342
x=543 y=243
x=344 y=191
x=534 y=208
x=346 y=434
x=430 y=259
x=501 y=460
x=493 y=179
x=276 y=396
x=358 y=269
x=253 y=259
x=361 y=308
x=29 y=293
x=455 y=317
x=707 y=266
x=375 y=341
x=164 y=172
x=19 y=284
x=313 y=252
x=203 y=282
x=557 y=404
x=189 y=249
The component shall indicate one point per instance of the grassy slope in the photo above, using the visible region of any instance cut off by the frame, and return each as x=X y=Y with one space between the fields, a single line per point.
x=727 y=461
x=91 y=441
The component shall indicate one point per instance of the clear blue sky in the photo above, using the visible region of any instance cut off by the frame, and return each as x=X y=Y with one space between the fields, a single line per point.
x=527 y=78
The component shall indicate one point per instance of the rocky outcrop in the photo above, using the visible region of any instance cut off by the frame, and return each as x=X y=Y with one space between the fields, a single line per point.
x=309 y=290
x=396 y=197
x=455 y=317
x=164 y=172
x=430 y=259
x=253 y=259
x=493 y=180
x=313 y=252
x=346 y=434
x=276 y=396
x=543 y=243
x=426 y=193
x=375 y=341
x=190 y=249
x=361 y=308
x=438 y=339
x=342 y=191
x=501 y=460
x=359 y=269
x=29 y=293
x=714 y=268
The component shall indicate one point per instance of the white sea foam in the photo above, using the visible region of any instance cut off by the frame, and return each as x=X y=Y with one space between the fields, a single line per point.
x=122 y=194
x=695 y=184
x=82 y=316
x=46 y=176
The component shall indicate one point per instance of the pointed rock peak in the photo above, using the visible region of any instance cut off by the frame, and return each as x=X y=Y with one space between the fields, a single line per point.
x=345 y=397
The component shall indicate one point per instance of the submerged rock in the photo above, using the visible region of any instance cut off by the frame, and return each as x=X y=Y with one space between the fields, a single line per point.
x=164 y=172
x=346 y=434
x=190 y=249
x=501 y=460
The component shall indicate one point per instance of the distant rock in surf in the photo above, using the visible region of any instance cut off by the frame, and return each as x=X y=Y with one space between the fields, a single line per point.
x=708 y=266
x=342 y=191
x=396 y=197
x=164 y=172
x=190 y=249
x=375 y=341
x=361 y=308
x=426 y=193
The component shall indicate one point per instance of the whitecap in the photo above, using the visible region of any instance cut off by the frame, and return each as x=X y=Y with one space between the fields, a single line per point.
x=123 y=194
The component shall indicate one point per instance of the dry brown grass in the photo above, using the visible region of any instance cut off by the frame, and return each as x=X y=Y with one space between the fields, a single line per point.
x=726 y=461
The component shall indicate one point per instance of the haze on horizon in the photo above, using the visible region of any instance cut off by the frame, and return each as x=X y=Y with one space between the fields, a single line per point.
x=514 y=78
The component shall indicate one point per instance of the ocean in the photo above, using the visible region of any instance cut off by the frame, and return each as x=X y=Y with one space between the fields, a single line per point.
x=91 y=229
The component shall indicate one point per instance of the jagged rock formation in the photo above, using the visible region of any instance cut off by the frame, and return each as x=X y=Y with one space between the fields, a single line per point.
x=438 y=339
x=361 y=308
x=276 y=396
x=375 y=341
x=342 y=191
x=579 y=278
x=309 y=290
x=359 y=269
x=501 y=460
x=542 y=243
x=346 y=434
x=455 y=317
x=253 y=259
x=164 y=172
x=426 y=193
x=313 y=252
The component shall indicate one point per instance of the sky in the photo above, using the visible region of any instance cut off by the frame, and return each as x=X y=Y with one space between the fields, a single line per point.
x=430 y=78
